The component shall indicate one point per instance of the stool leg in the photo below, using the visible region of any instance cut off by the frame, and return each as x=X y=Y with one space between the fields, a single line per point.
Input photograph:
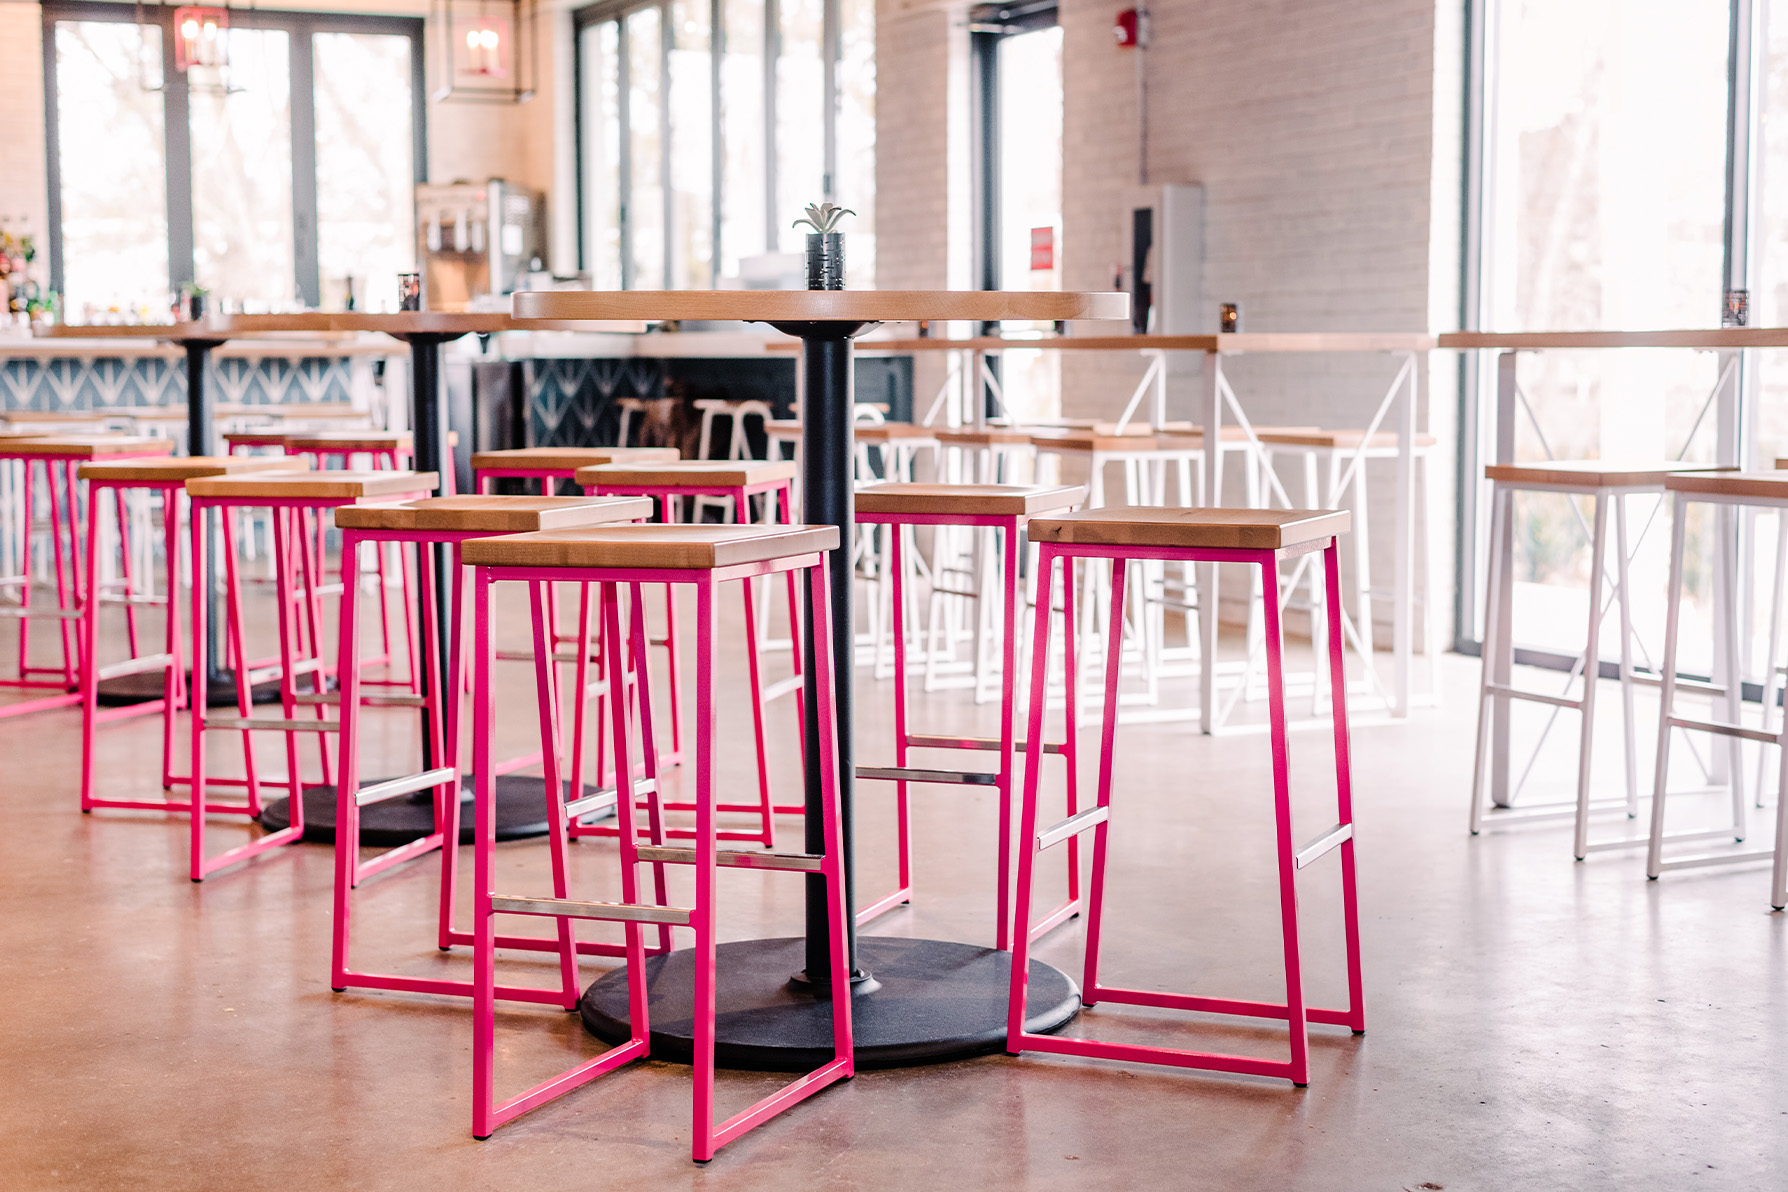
x=196 y=740
x=639 y=1012
x=28 y=515
x=1771 y=671
x=706 y=864
x=546 y=697
x=1288 y=889
x=1654 y=852
x=1008 y=709
x=1629 y=731
x=1350 y=901
x=903 y=890
x=484 y=818
x=1033 y=771
x=288 y=679
x=1778 y=874
x=754 y=666
x=347 y=782
x=655 y=830
x=175 y=691
x=1492 y=708
x=90 y=652
x=124 y=570
x=1114 y=670
x=236 y=642
x=1592 y=666
x=451 y=691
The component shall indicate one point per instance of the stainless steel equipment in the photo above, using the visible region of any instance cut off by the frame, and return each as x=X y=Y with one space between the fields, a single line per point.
x=476 y=240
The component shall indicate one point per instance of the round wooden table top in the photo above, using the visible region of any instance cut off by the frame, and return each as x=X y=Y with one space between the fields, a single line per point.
x=814 y=306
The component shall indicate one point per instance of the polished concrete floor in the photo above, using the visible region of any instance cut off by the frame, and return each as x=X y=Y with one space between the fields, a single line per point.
x=1534 y=1023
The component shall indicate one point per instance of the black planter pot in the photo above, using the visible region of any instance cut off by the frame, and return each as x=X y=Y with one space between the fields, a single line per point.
x=195 y=307
x=825 y=261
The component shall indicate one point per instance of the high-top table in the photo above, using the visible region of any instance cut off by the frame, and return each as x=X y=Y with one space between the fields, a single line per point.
x=917 y=1001
x=1732 y=448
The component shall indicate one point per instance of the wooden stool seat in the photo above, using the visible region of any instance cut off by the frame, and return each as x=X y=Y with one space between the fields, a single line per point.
x=992 y=436
x=8 y=434
x=569 y=458
x=189 y=467
x=1211 y=529
x=493 y=515
x=256 y=438
x=90 y=446
x=1078 y=440
x=1338 y=439
x=56 y=416
x=884 y=432
x=337 y=442
x=1751 y=486
x=784 y=425
x=689 y=473
x=1590 y=473
x=997 y=500
x=314 y=486
x=672 y=547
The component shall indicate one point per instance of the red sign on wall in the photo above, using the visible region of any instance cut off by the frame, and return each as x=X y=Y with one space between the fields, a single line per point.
x=1042 y=249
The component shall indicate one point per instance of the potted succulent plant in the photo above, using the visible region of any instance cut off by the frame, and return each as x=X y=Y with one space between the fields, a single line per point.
x=825 y=247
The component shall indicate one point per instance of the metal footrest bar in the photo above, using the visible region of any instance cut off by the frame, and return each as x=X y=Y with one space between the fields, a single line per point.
x=1211 y=1005
x=271 y=724
x=507 y=993
x=926 y=741
x=916 y=774
x=783 y=687
x=378 y=792
x=1557 y=701
x=1707 y=859
x=333 y=699
x=1542 y=812
x=1074 y=825
x=1725 y=730
x=1323 y=844
x=1607 y=846
x=600 y=801
x=136 y=666
x=735 y=859
x=58 y=614
x=613 y=912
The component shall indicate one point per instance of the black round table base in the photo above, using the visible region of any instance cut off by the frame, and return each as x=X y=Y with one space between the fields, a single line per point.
x=935 y=1001
x=126 y=690
x=521 y=813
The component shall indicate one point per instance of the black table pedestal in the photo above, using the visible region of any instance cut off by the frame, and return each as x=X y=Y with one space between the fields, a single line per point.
x=929 y=1001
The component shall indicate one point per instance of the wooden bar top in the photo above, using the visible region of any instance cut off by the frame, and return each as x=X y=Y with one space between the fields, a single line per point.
x=804 y=306
x=1710 y=338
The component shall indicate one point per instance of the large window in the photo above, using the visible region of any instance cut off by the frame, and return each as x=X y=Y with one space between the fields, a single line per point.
x=1605 y=207
x=286 y=179
x=706 y=125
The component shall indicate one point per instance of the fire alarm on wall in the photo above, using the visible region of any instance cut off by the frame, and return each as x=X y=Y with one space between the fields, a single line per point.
x=1125 y=28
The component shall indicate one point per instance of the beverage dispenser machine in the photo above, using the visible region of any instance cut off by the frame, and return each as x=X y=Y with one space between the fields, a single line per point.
x=476 y=240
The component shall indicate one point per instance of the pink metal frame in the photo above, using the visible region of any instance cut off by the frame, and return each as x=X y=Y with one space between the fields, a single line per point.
x=1008 y=747
x=383 y=461
x=301 y=628
x=71 y=585
x=1291 y=858
x=487 y=1112
x=549 y=478
x=443 y=727
x=174 y=694
x=778 y=495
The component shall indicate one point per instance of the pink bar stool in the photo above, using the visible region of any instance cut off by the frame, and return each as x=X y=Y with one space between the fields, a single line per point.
x=1259 y=538
x=1006 y=508
x=293 y=497
x=381 y=450
x=551 y=466
x=703 y=557
x=167 y=477
x=60 y=457
x=450 y=520
x=737 y=481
